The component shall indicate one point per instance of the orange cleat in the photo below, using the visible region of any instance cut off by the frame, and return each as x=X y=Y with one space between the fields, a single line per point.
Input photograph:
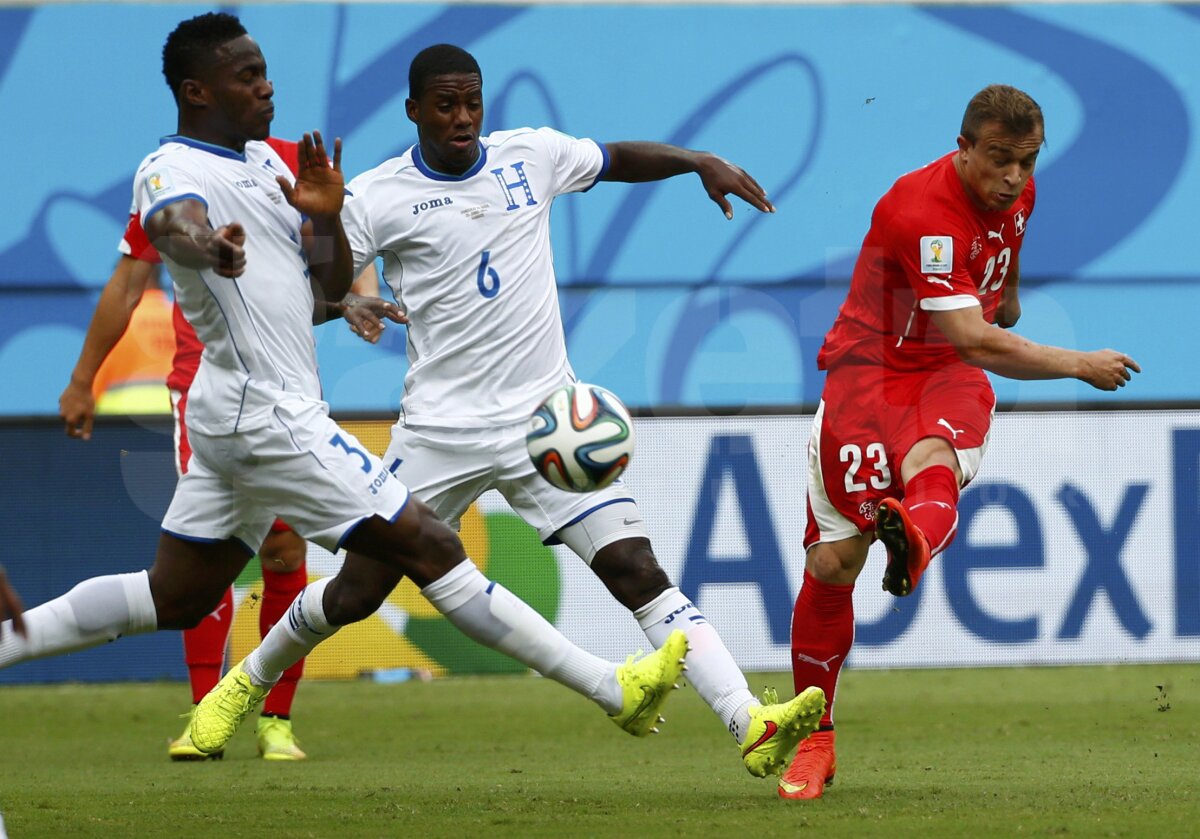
x=812 y=769
x=907 y=548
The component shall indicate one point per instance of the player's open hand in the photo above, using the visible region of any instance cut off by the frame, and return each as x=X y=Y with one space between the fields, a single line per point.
x=721 y=178
x=1108 y=369
x=366 y=315
x=77 y=407
x=10 y=605
x=320 y=187
x=226 y=250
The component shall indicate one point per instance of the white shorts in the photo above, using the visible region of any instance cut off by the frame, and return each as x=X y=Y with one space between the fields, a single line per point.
x=448 y=469
x=302 y=467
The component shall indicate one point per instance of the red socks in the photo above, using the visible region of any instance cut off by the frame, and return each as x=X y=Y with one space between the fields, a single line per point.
x=279 y=590
x=204 y=647
x=931 y=499
x=822 y=634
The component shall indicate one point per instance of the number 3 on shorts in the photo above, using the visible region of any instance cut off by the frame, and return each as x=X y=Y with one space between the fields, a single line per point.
x=339 y=442
x=852 y=454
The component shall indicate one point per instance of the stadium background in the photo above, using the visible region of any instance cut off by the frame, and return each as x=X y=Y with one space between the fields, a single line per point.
x=1079 y=541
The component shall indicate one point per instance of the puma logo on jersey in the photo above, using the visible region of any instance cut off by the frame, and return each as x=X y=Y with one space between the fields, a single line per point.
x=824 y=665
x=939 y=281
x=431 y=204
x=954 y=431
x=992 y=234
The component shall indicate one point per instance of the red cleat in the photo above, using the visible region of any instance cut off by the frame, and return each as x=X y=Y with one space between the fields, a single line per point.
x=812 y=769
x=907 y=548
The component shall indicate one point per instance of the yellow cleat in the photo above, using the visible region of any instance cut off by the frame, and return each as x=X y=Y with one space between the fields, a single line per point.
x=182 y=747
x=777 y=728
x=277 y=741
x=646 y=684
x=222 y=710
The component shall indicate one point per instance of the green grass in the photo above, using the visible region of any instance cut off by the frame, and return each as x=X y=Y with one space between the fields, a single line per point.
x=977 y=753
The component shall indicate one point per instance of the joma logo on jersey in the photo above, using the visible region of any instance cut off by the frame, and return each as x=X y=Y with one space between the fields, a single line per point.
x=430 y=205
x=509 y=187
x=246 y=183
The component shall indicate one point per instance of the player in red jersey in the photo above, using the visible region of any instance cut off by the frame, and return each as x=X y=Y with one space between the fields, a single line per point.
x=906 y=411
x=282 y=553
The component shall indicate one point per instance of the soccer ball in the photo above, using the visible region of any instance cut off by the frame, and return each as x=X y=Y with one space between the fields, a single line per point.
x=580 y=438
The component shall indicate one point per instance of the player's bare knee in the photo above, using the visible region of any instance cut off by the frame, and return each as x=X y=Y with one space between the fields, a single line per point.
x=631 y=572
x=838 y=563
x=349 y=601
x=180 y=609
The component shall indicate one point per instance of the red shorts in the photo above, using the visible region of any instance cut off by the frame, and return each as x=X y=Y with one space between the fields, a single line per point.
x=183 y=450
x=868 y=420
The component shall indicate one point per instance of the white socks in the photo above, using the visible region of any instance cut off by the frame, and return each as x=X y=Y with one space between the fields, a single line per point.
x=481 y=609
x=490 y=614
x=96 y=610
x=292 y=637
x=711 y=669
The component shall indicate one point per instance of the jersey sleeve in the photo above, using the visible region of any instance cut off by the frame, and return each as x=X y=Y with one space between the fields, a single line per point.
x=289 y=151
x=578 y=164
x=159 y=183
x=135 y=243
x=932 y=256
x=356 y=221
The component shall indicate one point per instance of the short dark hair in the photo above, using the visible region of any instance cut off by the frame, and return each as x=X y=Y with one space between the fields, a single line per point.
x=1014 y=109
x=193 y=43
x=439 y=60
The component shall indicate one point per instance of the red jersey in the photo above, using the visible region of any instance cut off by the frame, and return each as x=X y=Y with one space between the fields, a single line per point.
x=929 y=249
x=188 y=348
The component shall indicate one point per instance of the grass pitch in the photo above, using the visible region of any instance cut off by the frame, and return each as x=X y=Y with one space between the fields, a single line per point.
x=1098 y=751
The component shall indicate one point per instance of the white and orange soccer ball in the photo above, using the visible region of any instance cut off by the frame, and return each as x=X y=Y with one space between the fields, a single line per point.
x=580 y=438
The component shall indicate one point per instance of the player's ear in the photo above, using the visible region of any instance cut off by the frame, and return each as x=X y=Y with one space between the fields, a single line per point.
x=410 y=108
x=193 y=93
x=963 y=143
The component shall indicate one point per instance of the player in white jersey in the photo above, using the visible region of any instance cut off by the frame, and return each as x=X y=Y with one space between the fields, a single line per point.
x=463 y=225
x=254 y=256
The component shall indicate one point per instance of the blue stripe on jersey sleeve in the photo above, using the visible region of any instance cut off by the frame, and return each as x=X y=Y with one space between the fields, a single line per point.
x=603 y=165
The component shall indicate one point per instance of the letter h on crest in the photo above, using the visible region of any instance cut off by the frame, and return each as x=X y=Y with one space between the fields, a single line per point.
x=522 y=181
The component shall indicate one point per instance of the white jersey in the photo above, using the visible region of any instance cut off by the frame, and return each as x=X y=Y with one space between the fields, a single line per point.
x=469 y=258
x=256 y=329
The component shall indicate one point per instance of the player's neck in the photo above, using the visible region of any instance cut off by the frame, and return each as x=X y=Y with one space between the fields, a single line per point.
x=211 y=136
x=975 y=200
x=438 y=164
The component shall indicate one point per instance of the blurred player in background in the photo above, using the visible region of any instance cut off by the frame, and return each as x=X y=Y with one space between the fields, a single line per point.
x=463 y=225
x=906 y=411
x=255 y=256
x=118 y=333
x=132 y=379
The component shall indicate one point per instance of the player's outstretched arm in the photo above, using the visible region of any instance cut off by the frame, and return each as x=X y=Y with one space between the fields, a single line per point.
x=120 y=297
x=319 y=191
x=637 y=162
x=1007 y=354
x=181 y=231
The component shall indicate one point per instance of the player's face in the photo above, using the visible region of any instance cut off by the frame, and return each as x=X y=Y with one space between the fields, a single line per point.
x=448 y=115
x=241 y=94
x=996 y=167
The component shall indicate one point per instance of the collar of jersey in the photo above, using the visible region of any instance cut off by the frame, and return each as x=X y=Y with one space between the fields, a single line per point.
x=203 y=146
x=434 y=175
